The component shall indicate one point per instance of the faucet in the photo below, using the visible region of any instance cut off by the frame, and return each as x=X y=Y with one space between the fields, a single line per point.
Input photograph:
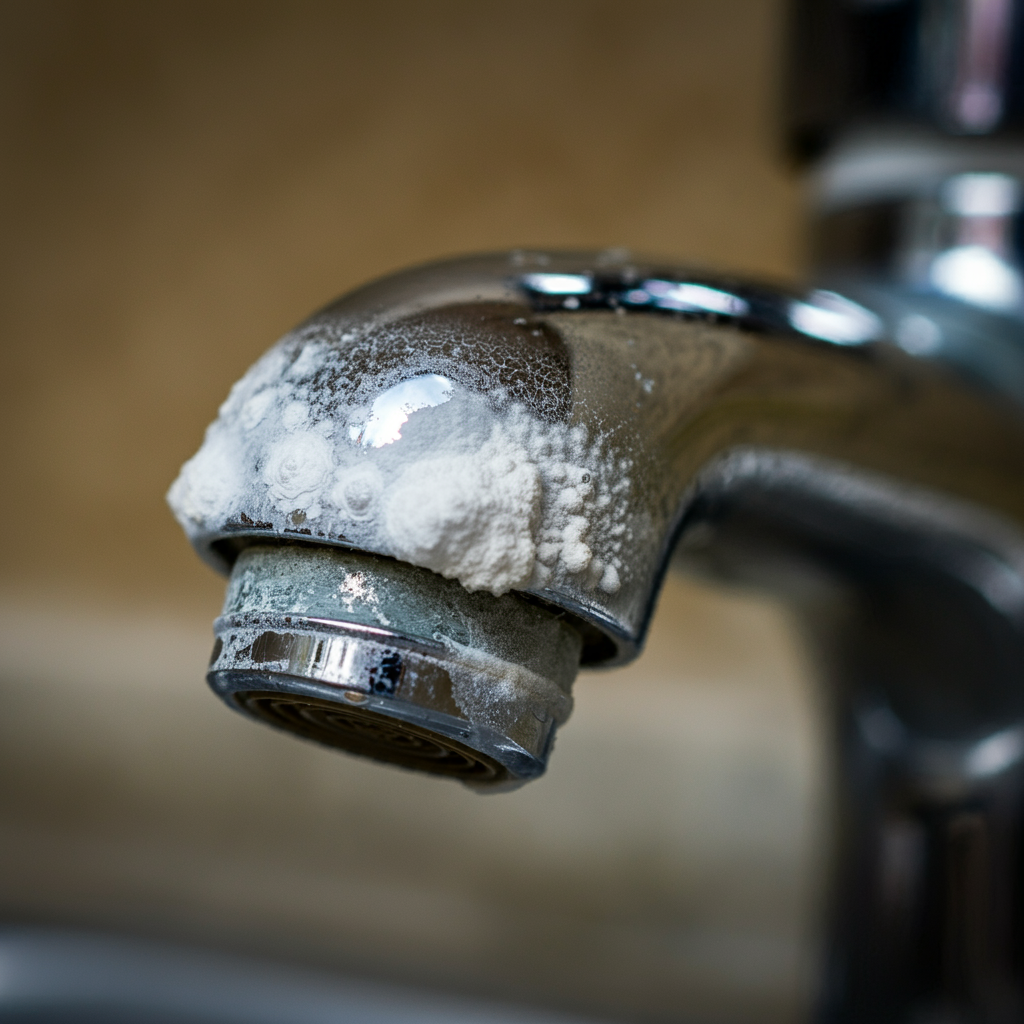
x=440 y=496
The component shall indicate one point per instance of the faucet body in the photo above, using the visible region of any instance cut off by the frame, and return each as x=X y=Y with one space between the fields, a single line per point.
x=384 y=601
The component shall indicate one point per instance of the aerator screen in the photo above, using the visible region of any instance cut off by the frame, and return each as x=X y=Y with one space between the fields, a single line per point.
x=370 y=734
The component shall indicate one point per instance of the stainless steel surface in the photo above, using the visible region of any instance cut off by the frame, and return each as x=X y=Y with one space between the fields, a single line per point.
x=66 y=977
x=927 y=234
x=950 y=66
x=388 y=660
x=673 y=371
x=917 y=216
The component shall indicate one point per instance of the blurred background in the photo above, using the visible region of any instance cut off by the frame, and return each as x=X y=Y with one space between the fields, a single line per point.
x=183 y=182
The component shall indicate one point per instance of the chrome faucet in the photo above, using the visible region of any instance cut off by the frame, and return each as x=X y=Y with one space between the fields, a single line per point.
x=444 y=493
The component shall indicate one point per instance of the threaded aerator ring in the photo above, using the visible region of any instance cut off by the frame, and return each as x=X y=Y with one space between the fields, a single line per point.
x=394 y=662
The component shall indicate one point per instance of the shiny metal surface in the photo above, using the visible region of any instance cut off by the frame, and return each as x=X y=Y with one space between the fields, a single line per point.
x=68 y=977
x=952 y=66
x=390 y=661
x=916 y=605
x=934 y=253
x=672 y=385
x=927 y=717
x=915 y=110
x=778 y=439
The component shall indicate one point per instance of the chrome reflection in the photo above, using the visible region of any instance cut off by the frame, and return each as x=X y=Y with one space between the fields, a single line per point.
x=977 y=99
x=688 y=297
x=822 y=315
x=391 y=410
x=977 y=275
x=830 y=317
x=558 y=284
x=982 y=195
x=939 y=262
x=918 y=335
x=979 y=267
x=948 y=764
x=993 y=755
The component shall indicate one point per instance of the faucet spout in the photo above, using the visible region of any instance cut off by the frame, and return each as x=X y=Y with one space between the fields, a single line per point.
x=394 y=662
x=517 y=443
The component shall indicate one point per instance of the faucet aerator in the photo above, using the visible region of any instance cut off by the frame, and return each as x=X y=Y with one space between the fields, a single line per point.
x=395 y=663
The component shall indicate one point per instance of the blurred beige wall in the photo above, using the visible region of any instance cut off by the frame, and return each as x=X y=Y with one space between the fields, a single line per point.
x=183 y=182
